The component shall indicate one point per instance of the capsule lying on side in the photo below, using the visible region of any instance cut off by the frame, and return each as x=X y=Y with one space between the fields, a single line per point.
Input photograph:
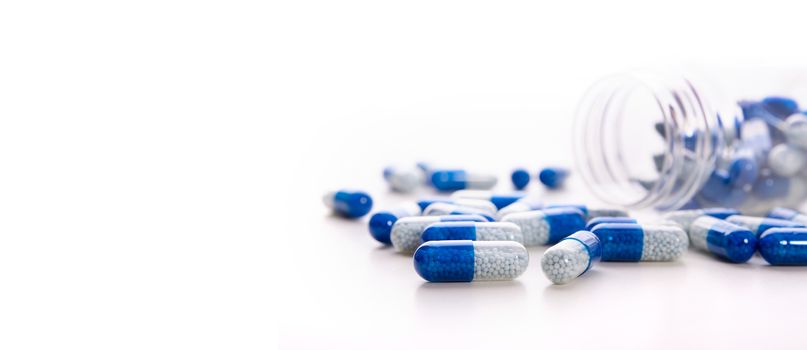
x=403 y=180
x=453 y=209
x=684 y=218
x=348 y=203
x=453 y=180
x=520 y=206
x=571 y=257
x=590 y=213
x=487 y=207
x=788 y=214
x=723 y=239
x=609 y=220
x=784 y=246
x=469 y=261
x=759 y=225
x=381 y=222
x=500 y=200
x=406 y=233
x=473 y=231
x=547 y=226
x=633 y=242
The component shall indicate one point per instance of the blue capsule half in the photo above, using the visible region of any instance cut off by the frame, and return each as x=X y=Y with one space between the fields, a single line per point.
x=349 y=204
x=381 y=222
x=784 y=246
x=553 y=177
x=780 y=107
x=520 y=178
x=609 y=220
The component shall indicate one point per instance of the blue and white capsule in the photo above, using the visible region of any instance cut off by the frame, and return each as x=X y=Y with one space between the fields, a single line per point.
x=403 y=180
x=784 y=246
x=788 y=214
x=470 y=261
x=590 y=213
x=381 y=222
x=733 y=243
x=454 y=180
x=406 y=232
x=609 y=220
x=500 y=200
x=759 y=225
x=473 y=231
x=486 y=206
x=454 y=209
x=634 y=242
x=553 y=177
x=348 y=203
x=684 y=218
x=571 y=257
x=520 y=206
x=547 y=226
x=520 y=178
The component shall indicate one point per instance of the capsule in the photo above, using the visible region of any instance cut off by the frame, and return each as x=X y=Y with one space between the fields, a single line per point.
x=381 y=222
x=609 y=220
x=406 y=232
x=469 y=261
x=590 y=213
x=796 y=130
x=453 y=180
x=500 y=200
x=779 y=106
x=788 y=214
x=553 y=177
x=547 y=226
x=633 y=242
x=784 y=246
x=786 y=160
x=684 y=218
x=520 y=178
x=348 y=203
x=402 y=180
x=723 y=239
x=453 y=209
x=759 y=225
x=486 y=206
x=519 y=206
x=571 y=257
x=474 y=231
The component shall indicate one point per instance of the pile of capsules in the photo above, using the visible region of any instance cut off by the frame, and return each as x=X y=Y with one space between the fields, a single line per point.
x=478 y=235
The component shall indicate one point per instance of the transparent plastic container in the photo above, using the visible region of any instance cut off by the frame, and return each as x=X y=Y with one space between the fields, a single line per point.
x=668 y=140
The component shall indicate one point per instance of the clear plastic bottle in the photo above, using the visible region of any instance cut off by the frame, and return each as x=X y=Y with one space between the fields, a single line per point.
x=669 y=140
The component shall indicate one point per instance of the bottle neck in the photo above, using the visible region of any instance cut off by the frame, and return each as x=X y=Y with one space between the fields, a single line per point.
x=651 y=140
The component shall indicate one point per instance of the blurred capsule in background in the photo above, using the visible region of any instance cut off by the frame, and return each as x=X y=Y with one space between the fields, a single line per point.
x=571 y=257
x=474 y=231
x=780 y=107
x=403 y=180
x=784 y=246
x=455 y=179
x=407 y=232
x=547 y=226
x=454 y=209
x=788 y=214
x=520 y=178
x=381 y=222
x=590 y=213
x=469 y=261
x=786 y=160
x=500 y=200
x=521 y=205
x=488 y=207
x=733 y=243
x=609 y=220
x=684 y=218
x=348 y=203
x=553 y=177
x=633 y=242
x=796 y=130
x=759 y=225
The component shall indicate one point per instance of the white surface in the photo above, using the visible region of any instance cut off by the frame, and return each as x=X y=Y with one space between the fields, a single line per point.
x=163 y=162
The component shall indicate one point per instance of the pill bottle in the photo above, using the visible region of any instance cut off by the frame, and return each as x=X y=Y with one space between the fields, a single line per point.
x=672 y=139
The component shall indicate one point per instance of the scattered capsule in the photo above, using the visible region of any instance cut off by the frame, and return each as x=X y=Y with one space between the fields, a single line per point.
x=348 y=203
x=521 y=205
x=406 y=232
x=786 y=160
x=609 y=220
x=784 y=246
x=633 y=242
x=589 y=213
x=382 y=221
x=488 y=207
x=454 y=209
x=788 y=214
x=452 y=180
x=473 y=231
x=780 y=107
x=468 y=261
x=759 y=225
x=520 y=178
x=403 y=180
x=796 y=130
x=547 y=226
x=571 y=257
x=553 y=177
x=684 y=218
x=499 y=200
x=723 y=239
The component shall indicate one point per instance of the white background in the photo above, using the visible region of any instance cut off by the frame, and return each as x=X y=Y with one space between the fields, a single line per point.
x=161 y=164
